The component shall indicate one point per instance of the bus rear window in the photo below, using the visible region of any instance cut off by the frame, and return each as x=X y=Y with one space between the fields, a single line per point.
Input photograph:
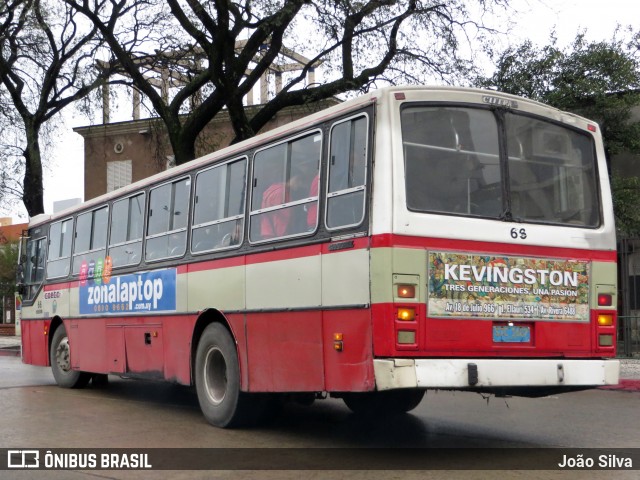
x=454 y=165
x=552 y=174
x=452 y=161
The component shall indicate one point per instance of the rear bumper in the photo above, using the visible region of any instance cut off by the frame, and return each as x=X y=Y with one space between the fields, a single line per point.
x=479 y=373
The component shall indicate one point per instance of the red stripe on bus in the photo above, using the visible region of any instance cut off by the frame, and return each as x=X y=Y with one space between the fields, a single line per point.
x=236 y=261
x=284 y=254
x=386 y=240
x=60 y=286
x=392 y=240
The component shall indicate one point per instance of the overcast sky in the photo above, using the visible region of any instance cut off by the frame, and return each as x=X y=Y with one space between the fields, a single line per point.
x=535 y=20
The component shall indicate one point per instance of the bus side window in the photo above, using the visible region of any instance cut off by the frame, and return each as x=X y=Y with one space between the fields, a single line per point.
x=218 y=212
x=34 y=266
x=90 y=238
x=125 y=239
x=60 y=237
x=167 y=220
x=347 y=173
x=284 y=203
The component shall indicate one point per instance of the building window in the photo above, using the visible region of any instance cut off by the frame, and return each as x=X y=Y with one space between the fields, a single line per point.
x=118 y=174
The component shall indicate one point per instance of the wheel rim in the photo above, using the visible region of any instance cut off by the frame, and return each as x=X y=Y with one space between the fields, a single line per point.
x=215 y=375
x=63 y=356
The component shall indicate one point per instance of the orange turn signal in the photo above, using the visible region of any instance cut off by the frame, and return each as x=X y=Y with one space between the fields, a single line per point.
x=338 y=346
x=406 y=314
x=605 y=320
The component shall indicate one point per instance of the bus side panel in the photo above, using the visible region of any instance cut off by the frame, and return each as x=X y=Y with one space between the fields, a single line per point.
x=285 y=352
x=284 y=334
x=348 y=363
x=35 y=349
x=87 y=344
x=237 y=323
x=152 y=347
x=178 y=332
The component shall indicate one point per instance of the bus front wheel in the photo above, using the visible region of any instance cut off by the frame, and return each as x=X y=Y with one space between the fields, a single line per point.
x=388 y=401
x=60 y=359
x=217 y=379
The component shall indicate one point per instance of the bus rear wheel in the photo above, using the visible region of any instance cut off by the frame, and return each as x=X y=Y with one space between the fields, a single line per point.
x=217 y=379
x=388 y=401
x=60 y=359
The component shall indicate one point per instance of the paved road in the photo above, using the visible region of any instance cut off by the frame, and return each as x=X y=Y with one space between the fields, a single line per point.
x=136 y=414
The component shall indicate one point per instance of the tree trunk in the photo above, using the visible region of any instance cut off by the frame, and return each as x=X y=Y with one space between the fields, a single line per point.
x=182 y=142
x=33 y=196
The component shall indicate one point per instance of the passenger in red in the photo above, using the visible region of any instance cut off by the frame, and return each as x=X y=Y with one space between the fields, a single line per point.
x=276 y=223
x=312 y=211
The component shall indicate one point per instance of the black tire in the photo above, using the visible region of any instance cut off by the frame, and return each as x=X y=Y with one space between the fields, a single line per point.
x=386 y=402
x=217 y=379
x=60 y=358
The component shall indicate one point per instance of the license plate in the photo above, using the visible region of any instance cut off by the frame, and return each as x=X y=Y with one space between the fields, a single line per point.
x=511 y=334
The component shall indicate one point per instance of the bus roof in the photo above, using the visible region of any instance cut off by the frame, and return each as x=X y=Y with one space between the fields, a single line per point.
x=300 y=124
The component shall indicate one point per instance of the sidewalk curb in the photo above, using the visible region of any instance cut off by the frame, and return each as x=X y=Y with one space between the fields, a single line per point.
x=627 y=385
x=10 y=352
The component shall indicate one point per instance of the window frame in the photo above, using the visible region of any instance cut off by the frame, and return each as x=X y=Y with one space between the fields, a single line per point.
x=185 y=229
x=363 y=187
x=31 y=291
x=142 y=193
x=307 y=200
x=242 y=216
x=74 y=253
x=503 y=161
x=57 y=259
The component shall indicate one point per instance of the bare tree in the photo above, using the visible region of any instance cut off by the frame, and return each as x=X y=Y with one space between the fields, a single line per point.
x=214 y=52
x=47 y=53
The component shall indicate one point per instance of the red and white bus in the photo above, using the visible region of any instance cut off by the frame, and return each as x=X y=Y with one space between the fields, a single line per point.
x=413 y=238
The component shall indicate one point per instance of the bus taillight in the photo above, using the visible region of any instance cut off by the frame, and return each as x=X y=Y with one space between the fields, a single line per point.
x=605 y=299
x=406 y=291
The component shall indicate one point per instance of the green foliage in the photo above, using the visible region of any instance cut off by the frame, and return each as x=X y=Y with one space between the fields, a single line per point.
x=598 y=80
x=8 y=267
x=626 y=203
